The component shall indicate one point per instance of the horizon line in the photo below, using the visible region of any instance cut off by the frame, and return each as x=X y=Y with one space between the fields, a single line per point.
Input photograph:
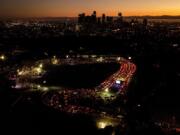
x=87 y=15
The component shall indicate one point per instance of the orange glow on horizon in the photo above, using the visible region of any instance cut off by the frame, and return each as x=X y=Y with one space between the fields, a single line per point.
x=71 y=8
x=175 y=12
x=108 y=13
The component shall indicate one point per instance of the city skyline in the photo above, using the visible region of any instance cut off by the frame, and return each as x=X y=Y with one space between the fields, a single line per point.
x=70 y=8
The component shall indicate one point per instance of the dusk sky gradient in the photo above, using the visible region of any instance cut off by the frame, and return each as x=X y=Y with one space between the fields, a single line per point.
x=56 y=8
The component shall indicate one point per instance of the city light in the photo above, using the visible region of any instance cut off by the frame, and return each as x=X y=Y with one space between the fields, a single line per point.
x=44 y=82
x=67 y=56
x=38 y=70
x=118 y=58
x=129 y=57
x=2 y=57
x=38 y=86
x=106 y=90
x=102 y=125
x=100 y=59
x=41 y=65
x=54 y=60
x=122 y=79
x=93 y=56
x=20 y=73
x=118 y=82
x=45 y=88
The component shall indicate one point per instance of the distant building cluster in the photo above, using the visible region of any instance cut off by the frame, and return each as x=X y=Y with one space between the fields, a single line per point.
x=91 y=23
x=85 y=19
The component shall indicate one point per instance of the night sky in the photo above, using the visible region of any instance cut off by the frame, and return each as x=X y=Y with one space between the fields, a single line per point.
x=54 y=8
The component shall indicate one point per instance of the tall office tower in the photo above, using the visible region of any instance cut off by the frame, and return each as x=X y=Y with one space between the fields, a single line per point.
x=94 y=18
x=120 y=17
x=94 y=13
x=99 y=20
x=109 y=19
x=81 y=18
x=145 y=21
x=103 y=18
